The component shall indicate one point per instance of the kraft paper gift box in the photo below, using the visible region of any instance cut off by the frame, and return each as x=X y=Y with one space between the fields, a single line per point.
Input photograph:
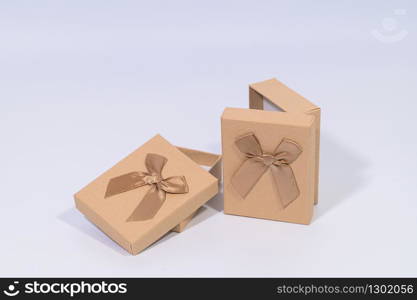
x=270 y=158
x=155 y=189
x=263 y=94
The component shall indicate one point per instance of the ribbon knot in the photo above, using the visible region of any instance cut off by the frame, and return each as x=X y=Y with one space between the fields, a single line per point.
x=159 y=187
x=152 y=179
x=258 y=162
x=267 y=159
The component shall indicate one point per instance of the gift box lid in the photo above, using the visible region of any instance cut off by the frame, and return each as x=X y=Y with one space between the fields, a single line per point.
x=146 y=194
x=280 y=95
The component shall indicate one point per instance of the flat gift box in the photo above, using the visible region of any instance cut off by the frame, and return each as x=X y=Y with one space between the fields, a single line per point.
x=155 y=189
x=270 y=158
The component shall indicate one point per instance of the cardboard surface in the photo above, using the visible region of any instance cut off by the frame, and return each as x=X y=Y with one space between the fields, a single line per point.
x=270 y=128
x=289 y=101
x=110 y=214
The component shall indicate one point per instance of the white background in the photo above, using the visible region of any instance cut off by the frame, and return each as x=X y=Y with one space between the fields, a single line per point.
x=83 y=83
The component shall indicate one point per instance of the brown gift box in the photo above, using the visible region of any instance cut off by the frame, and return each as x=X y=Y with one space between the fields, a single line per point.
x=121 y=208
x=287 y=100
x=270 y=158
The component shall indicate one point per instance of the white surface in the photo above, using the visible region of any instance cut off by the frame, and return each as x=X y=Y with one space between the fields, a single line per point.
x=83 y=83
x=269 y=106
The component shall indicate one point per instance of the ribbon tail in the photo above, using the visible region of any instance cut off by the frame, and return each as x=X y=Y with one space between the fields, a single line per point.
x=247 y=176
x=286 y=183
x=124 y=183
x=149 y=206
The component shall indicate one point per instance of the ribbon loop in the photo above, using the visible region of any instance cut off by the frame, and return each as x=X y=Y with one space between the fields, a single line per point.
x=249 y=145
x=258 y=162
x=155 y=163
x=174 y=185
x=155 y=197
x=288 y=151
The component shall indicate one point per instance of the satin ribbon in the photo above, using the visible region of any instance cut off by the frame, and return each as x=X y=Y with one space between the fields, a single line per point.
x=258 y=162
x=159 y=187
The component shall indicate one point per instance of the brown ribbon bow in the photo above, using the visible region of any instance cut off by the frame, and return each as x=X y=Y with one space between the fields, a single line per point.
x=156 y=195
x=258 y=162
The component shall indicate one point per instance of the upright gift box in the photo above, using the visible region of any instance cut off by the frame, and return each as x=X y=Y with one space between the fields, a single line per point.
x=155 y=189
x=271 y=158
